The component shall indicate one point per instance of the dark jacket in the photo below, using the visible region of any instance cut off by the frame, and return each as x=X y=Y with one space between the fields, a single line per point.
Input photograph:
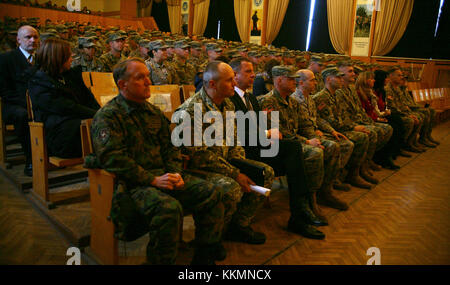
x=15 y=72
x=54 y=102
x=251 y=152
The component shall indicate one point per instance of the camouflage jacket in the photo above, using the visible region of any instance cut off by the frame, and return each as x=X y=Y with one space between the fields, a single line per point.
x=309 y=119
x=94 y=65
x=352 y=107
x=407 y=99
x=108 y=61
x=213 y=158
x=329 y=108
x=320 y=84
x=160 y=74
x=132 y=141
x=394 y=99
x=288 y=114
x=185 y=70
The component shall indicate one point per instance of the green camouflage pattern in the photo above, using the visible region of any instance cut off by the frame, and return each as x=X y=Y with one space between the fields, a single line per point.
x=109 y=60
x=122 y=132
x=93 y=65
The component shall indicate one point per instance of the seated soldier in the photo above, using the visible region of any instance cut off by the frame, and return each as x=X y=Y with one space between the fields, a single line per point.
x=131 y=139
x=87 y=58
x=116 y=42
x=411 y=121
x=214 y=160
x=60 y=99
x=288 y=161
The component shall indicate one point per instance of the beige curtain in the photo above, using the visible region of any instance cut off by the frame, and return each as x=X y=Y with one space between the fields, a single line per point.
x=174 y=9
x=391 y=23
x=340 y=24
x=145 y=8
x=242 y=14
x=275 y=16
x=201 y=8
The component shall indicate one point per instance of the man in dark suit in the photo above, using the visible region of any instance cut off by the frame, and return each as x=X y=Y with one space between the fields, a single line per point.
x=15 y=71
x=288 y=161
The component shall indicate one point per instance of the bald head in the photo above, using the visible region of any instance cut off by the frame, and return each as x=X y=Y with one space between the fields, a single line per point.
x=28 y=38
x=306 y=82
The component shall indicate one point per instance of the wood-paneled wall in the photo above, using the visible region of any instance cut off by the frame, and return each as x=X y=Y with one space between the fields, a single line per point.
x=16 y=11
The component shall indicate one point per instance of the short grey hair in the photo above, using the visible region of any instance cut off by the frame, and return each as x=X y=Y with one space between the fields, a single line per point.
x=120 y=69
x=211 y=72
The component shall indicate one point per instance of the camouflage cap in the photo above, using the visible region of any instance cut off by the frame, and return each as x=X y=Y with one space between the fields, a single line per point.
x=316 y=58
x=46 y=35
x=144 y=43
x=195 y=45
x=169 y=43
x=158 y=44
x=181 y=44
x=115 y=37
x=284 y=70
x=331 y=71
x=253 y=53
x=213 y=46
x=85 y=42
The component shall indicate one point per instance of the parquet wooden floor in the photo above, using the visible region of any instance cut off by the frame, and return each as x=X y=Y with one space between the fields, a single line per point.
x=407 y=216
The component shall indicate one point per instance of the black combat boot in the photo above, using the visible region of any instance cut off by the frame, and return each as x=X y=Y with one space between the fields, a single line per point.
x=296 y=225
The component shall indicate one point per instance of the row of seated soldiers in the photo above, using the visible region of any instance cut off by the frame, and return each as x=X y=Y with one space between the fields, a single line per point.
x=327 y=143
x=173 y=60
x=324 y=141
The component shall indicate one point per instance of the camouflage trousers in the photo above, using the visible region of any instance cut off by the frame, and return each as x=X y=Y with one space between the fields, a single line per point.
x=427 y=115
x=163 y=212
x=408 y=125
x=360 y=145
x=345 y=149
x=373 y=140
x=240 y=207
x=321 y=166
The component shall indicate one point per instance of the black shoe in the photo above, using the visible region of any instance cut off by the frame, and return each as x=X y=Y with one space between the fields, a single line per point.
x=304 y=229
x=309 y=216
x=28 y=170
x=404 y=154
x=389 y=164
x=219 y=252
x=203 y=256
x=245 y=234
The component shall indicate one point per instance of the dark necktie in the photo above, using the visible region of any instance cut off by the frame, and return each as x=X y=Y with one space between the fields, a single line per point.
x=247 y=102
x=31 y=59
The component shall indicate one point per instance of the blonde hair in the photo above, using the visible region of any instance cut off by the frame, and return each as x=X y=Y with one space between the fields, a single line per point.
x=361 y=83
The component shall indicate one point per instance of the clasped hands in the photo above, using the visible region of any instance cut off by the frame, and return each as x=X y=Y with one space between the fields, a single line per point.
x=168 y=181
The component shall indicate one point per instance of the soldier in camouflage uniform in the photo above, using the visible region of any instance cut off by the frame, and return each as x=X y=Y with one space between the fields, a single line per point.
x=316 y=66
x=186 y=71
x=329 y=109
x=143 y=50
x=116 y=42
x=379 y=133
x=410 y=121
x=160 y=72
x=321 y=161
x=87 y=58
x=197 y=56
x=131 y=139
x=427 y=114
x=240 y=202
x=312 y=126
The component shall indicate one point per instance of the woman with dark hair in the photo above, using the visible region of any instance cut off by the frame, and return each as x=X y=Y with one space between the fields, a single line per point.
x=263 y=82
x=60 y=99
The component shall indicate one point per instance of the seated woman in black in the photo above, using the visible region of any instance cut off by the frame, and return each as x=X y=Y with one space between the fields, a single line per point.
x=60 y=99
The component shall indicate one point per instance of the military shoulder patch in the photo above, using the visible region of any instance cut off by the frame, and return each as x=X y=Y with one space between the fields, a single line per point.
x=103 y=135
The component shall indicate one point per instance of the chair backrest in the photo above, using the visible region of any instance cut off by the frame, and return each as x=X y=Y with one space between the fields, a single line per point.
x=188 y=91
x=86 y=141
x=103 y=87
x=166 y=98
x=29 y=108
x=87 y=79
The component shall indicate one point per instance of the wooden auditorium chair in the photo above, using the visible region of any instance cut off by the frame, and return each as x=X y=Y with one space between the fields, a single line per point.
x=42 y=163
x=187 y=92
